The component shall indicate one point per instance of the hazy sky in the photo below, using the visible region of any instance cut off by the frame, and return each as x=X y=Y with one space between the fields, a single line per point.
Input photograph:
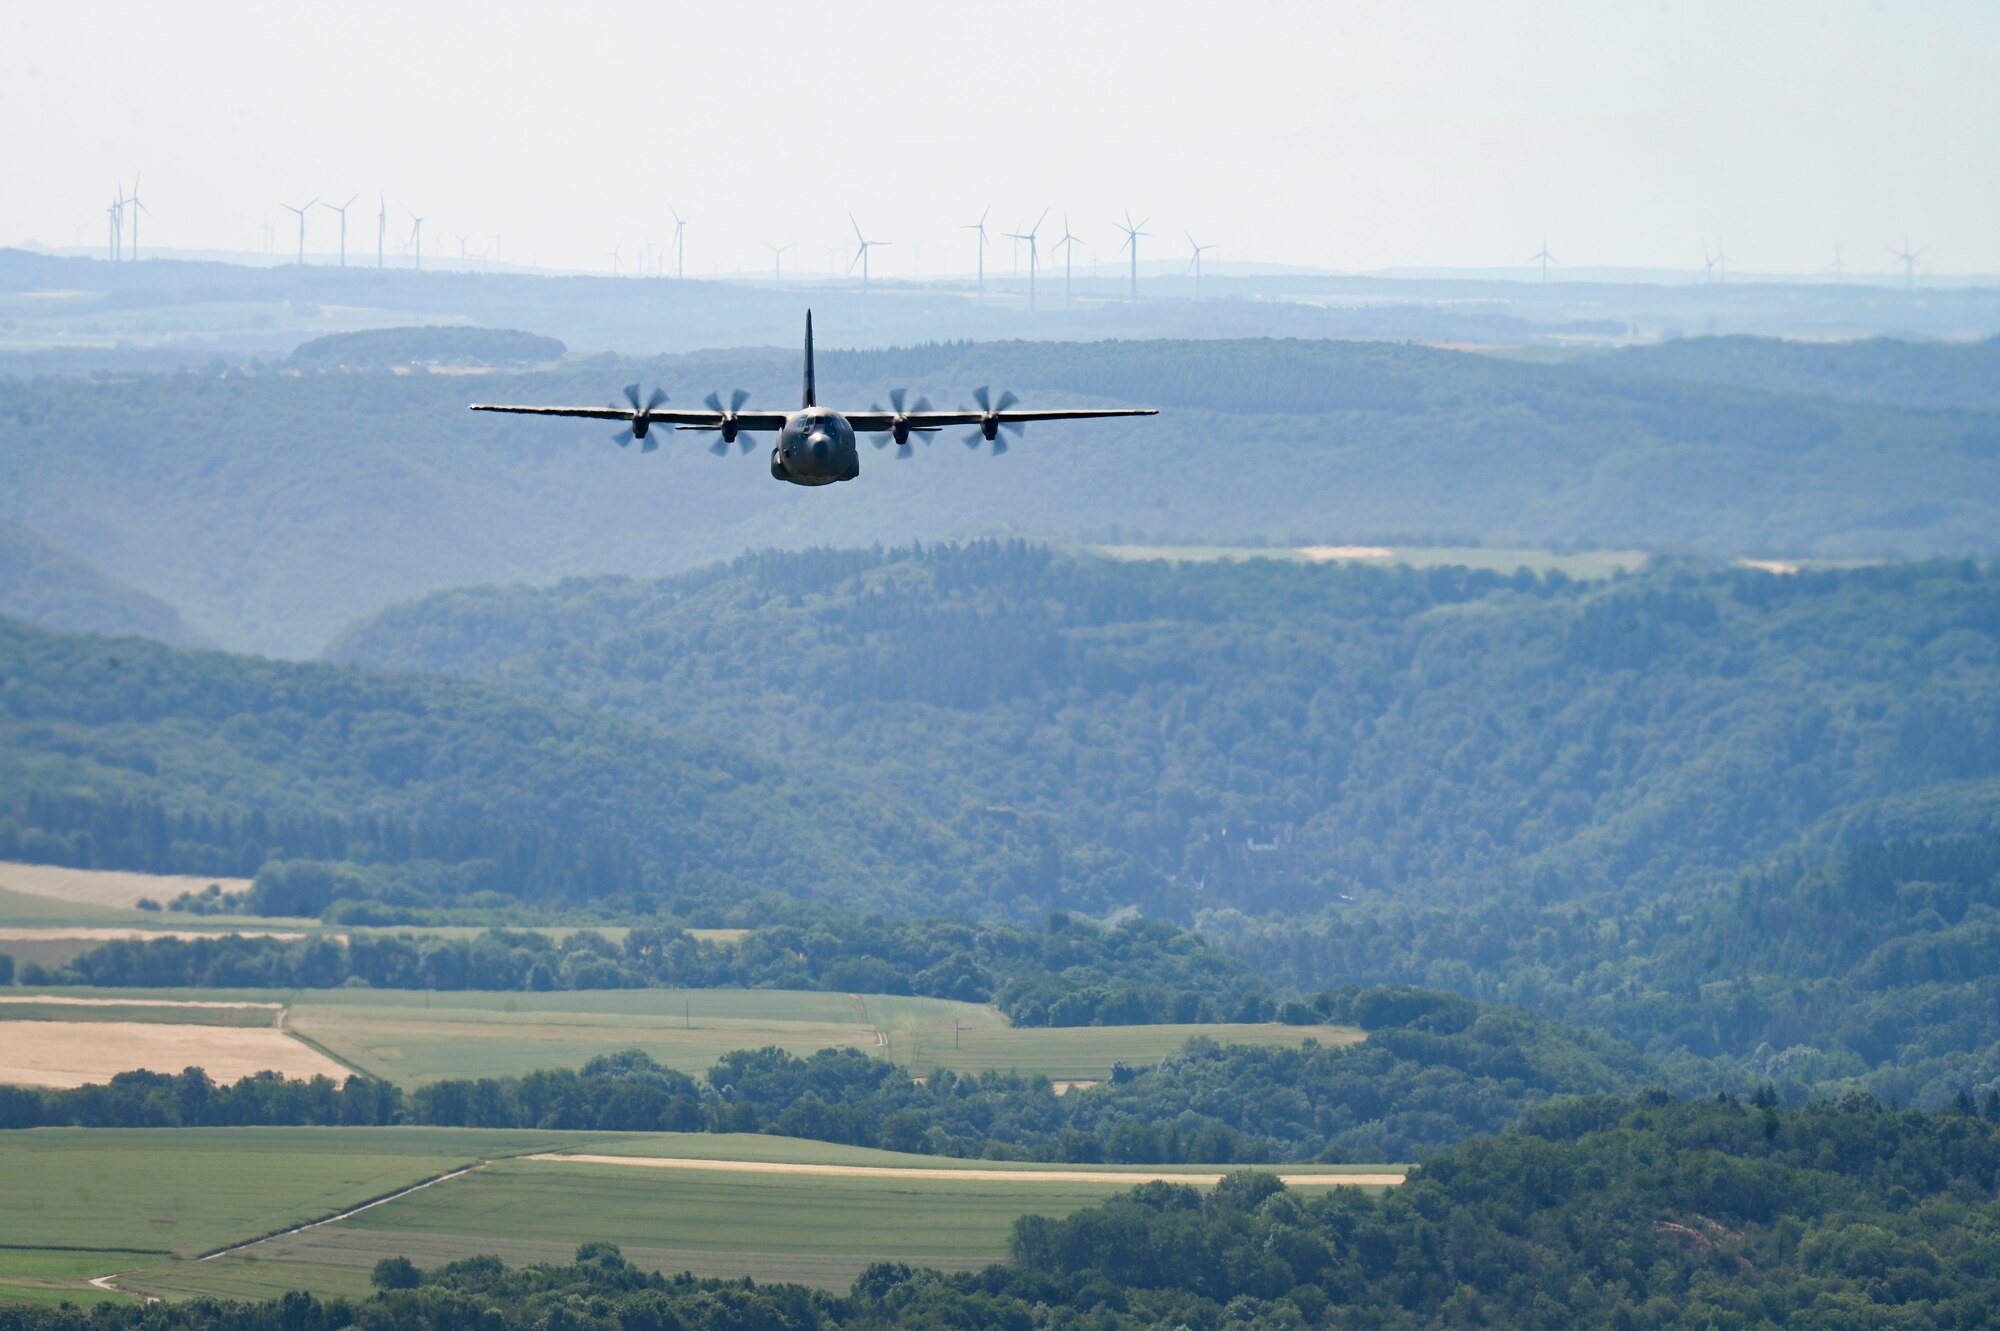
x=1351 y=136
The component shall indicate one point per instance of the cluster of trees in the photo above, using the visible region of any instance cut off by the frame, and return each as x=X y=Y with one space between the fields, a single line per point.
x=1933 y=375
x=1435 y=1070
x=192 y=1099
x=1069 y=972
x=1641 y=1213
x=382 y=348
x=1877 y=968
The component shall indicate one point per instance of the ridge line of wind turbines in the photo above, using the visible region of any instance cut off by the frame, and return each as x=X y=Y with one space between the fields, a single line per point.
x=1714 y=267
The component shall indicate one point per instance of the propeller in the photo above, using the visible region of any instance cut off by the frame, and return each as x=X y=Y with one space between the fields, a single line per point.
x=730 y=425
x=900 y=428
x=990 y=424
x=639 y=428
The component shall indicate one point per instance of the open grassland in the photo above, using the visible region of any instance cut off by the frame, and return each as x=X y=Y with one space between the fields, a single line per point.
x=1585 y=564
x=413 y=1037
x=29 y=1275
x=80 y=1053
x=105 y=887
x=1084 y=1053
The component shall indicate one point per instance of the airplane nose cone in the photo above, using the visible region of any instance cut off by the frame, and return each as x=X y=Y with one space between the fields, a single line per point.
x=819 y=444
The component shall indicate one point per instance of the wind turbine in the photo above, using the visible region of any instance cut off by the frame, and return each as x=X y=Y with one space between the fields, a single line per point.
x=615 y=253
x=1906 y=254
x=778 y=257
x=116 y=212
x=462 y=262
x=1132 y=234
x=1707 y=264
x=1034 y=252
x=1721 y=262
x=861 y=253
x=342 y=210
x=381 y=225
x=1839 y=266
x=1544 y=257
x=680 y=244
x=416 y=235
x=137 y=208
x=301 y=211
x=980 y=248
x=1194 y=264
x=1069 y=246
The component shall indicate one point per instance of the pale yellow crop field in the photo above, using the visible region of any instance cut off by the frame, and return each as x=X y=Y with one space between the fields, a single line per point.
x=105 y=887
x=82 y=1053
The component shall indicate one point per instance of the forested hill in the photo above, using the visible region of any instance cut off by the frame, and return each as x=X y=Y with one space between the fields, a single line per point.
x=42 y=584
x=274 y=508
x=1932 y=375
x=1273 y=735
x=128 y=754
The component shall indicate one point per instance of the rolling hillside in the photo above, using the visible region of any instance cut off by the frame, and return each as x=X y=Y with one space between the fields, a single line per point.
x=275 y=508
x=42 y=584
x=127 y=754
x=1271 y=735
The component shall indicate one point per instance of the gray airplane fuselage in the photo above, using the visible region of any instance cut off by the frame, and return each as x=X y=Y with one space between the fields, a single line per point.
x=815 y=447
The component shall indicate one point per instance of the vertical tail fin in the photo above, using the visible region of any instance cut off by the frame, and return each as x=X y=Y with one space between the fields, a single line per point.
x=809 y=360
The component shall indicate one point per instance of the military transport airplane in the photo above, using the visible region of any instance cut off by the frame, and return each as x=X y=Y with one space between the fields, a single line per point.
x=816 y=444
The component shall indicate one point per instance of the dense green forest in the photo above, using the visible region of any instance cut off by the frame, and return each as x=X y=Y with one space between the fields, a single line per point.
x=1639 y=1214
x=1879 y=970
x=124 y=753
x=273 y=508
x=1435 y=1069
x=44 y=585
x=1271 y=736
x=1070 y=972
x=1925 y=375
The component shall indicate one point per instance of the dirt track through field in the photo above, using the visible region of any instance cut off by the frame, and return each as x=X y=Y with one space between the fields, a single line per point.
x=957 y=1175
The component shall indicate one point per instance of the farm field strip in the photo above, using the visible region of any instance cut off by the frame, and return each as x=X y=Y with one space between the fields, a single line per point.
x=105 y=887
x=80 y=1053
x=183 y=1192
x=1019 y=1175
x=414 y=1037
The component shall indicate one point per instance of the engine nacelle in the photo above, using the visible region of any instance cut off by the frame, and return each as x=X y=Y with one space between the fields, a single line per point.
x=990 y=427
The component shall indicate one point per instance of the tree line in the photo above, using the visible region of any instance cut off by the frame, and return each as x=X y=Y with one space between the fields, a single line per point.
x=1069 y=972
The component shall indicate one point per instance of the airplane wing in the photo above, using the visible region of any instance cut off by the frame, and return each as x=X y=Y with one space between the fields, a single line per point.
x=745 y=420
x=874 y=422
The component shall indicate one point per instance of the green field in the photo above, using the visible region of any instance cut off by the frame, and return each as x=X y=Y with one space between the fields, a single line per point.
x=817 y=1230
x=29 y=1275
x=188 y=1190
x=413 y=1037
x=148 y=1203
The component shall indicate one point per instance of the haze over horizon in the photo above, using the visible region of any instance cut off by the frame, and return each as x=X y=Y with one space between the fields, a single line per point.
x=1453 y=136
